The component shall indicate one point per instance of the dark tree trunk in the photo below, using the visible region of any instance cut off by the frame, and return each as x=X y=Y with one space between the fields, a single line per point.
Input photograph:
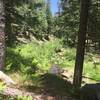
x=81 y=43
x=99 y=45
x=9 y=19
x=2 y=34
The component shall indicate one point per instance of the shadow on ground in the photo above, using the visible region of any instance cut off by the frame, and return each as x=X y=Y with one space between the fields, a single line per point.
x=90 y=92
x=55 y=84
x=54 y=87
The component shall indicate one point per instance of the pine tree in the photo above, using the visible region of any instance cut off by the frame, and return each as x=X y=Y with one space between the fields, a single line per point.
x=81 y=43
x=49 y=17
x=25 y=17
x=68 y=21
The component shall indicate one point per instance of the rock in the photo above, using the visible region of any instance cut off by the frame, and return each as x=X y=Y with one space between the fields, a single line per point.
x=90 y=92
x=55 y=69
x=6 y=79
x=12 y=92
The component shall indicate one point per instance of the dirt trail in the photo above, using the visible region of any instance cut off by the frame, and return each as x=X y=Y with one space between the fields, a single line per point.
x=43 y=96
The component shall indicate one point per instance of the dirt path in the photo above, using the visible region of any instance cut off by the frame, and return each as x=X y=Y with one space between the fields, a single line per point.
x=43 y=96
x=54 y=87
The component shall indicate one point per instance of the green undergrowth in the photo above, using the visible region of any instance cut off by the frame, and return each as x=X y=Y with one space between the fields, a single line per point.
x=43 y=56
x=37 y=57
x=92 y=66
x=91 y=71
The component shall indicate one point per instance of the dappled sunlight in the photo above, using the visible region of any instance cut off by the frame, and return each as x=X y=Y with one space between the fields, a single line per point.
x=49 y=50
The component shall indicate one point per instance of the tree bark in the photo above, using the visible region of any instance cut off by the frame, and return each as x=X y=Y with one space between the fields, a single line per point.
x=2 y=34
x=81 y=43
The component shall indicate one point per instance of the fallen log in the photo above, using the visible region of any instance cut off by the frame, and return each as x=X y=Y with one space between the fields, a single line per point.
x=6 y=79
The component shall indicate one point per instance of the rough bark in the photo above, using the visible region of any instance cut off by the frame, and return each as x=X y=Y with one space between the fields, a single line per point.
x=81 y=43
x=2 y=34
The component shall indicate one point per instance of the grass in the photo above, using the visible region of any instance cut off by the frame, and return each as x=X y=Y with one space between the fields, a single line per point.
x=29 y=60
x=39 y=55
x=28 y=65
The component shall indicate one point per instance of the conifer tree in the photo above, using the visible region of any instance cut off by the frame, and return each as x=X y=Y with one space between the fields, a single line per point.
x=49 y=17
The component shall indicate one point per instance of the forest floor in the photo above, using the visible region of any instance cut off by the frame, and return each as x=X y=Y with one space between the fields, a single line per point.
x=54 y=87
x=39 y=96
x=28 y=65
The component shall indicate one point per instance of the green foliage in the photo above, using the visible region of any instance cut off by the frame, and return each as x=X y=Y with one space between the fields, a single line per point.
x=33 y=18
x=25 y=57
x=19 y=97
x=24 y=18
x=49 y=17
x=35 y=58
x=94 y=24
x=68 y=21
x=2 y=87
x=91 y=69
x=92 y=72
x=24 y=98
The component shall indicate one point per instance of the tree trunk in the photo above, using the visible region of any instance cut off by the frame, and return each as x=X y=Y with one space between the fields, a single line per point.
x=99 y=45
x=81 y=43
x=2 y=34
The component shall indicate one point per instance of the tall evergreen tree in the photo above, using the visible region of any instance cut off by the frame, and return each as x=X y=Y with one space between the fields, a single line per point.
x=81 y=43
x=49 y=17
x=94 y=23
x=68 y=21
x=25 y=17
